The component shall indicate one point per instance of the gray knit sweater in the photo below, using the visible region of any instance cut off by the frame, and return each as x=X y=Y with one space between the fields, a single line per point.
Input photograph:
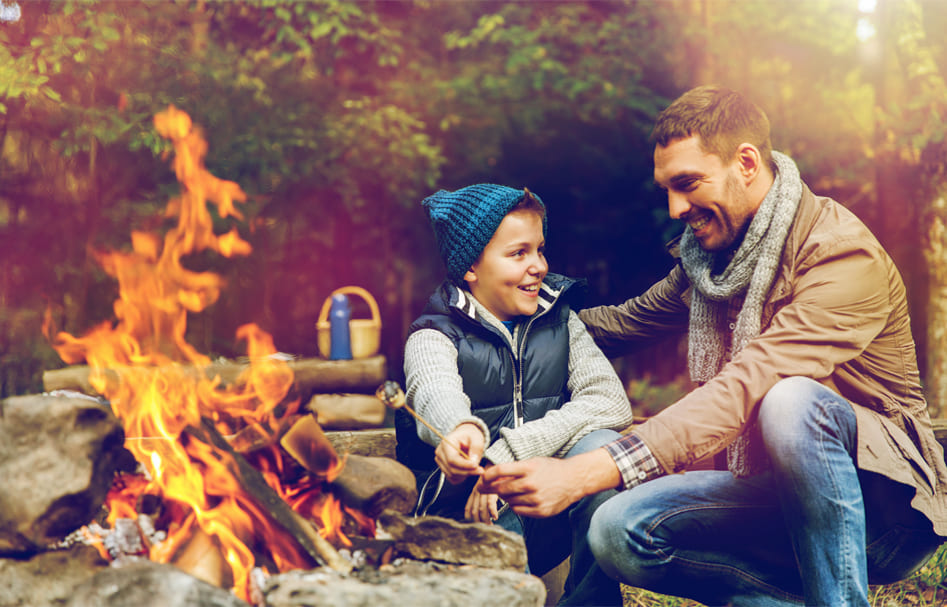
x=435 y=391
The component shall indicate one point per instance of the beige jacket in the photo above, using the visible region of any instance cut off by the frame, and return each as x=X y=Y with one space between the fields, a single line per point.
x=837 y=313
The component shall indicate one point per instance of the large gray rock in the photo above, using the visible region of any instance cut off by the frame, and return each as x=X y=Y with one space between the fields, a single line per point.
x=47 y=579
x=58 y=455
x=147 y=584
x=406 y=583
x=448 y=541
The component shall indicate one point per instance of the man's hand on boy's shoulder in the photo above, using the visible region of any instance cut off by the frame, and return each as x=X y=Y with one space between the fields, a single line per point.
x=545 y=486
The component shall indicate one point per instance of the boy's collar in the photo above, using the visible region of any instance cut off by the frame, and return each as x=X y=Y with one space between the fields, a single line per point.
x=464 y=301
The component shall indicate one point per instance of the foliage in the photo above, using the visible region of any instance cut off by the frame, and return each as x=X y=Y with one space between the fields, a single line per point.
x=338 y=117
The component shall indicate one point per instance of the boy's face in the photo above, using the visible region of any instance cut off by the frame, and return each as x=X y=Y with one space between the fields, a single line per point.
x=506 y=277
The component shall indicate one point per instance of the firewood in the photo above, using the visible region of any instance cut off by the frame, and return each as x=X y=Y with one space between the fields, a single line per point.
x=308 y=445
x=375 y=443
x=201 y=557
x=374 y=484
x=311 y=375
x=347 y=411
x=269 y=502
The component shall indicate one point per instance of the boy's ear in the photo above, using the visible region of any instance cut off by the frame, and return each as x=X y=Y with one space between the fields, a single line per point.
x=470 y=276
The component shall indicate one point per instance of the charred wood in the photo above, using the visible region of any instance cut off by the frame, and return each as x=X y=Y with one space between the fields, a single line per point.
x=252 y=481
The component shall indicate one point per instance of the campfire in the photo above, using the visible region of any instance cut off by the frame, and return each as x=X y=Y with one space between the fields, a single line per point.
x=229 y=476
x=180 y=424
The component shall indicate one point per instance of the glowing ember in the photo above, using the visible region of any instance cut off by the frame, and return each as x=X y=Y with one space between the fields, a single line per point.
x=152 y=378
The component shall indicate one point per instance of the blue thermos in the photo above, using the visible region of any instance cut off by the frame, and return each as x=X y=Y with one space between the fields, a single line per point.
x=340 y=341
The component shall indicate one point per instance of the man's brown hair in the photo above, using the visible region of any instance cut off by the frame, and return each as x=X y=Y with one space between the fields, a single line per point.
x=721 y=117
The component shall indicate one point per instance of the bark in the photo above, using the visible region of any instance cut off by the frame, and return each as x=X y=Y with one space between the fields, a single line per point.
x=348 y=411
x=310 y=375
x=375 y=484
x=375 y=443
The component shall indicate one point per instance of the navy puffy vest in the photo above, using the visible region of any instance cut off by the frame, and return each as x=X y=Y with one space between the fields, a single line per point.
x=490 y=370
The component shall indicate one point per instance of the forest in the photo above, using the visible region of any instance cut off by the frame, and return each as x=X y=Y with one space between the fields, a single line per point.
x=337 y=117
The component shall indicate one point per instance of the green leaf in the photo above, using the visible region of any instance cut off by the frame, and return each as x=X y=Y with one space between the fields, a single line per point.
x=51 y=93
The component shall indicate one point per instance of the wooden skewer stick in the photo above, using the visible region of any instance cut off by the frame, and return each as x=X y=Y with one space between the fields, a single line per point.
x=392 y=395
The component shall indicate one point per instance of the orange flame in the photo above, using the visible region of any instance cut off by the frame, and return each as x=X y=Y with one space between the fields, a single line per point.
x=151 y=376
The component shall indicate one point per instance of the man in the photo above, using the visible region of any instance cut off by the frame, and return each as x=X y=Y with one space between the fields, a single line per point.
x=800 y=342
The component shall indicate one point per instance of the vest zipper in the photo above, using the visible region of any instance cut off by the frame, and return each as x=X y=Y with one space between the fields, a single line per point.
x=518 y=374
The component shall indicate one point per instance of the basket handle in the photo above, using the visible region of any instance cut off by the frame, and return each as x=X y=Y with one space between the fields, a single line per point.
x=352 y=290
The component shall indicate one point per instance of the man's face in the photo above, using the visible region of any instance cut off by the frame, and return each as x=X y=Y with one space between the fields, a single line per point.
x=704 y=192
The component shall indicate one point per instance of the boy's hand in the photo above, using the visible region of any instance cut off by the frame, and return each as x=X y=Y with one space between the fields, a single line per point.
x=458 y=466
x=481 y=507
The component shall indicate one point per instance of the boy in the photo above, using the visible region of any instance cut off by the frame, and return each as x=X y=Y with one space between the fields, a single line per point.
x=501 y=364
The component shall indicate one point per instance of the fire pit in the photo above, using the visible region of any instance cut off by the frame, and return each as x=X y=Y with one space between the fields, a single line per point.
x=227 y=492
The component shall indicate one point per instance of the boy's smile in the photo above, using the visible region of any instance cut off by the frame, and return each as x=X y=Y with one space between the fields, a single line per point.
x=507 y=275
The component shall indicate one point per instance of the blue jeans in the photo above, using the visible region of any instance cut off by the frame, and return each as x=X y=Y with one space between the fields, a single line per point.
x=550 y=540
x=813 y=530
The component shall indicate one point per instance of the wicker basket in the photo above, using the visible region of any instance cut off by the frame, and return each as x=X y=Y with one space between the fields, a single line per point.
x=365 y=333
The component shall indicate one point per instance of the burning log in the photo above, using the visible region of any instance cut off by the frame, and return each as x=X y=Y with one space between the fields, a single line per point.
x=310 y=375
x=375 y=484
x=368 y=484
x=270 y=502
x=201 y=557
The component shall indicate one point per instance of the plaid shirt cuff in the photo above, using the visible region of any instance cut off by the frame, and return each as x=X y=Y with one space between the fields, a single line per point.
x=635 y=461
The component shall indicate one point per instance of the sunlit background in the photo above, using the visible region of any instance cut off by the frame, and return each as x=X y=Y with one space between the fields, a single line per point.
x=337 y=118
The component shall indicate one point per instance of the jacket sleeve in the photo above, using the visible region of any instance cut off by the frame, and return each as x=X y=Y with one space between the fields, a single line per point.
x=598 y=401
x=838 y=302
x=435 y=389
x=660 y=311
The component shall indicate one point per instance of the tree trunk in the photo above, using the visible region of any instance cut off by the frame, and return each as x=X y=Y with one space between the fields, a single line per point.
x=926 y=88
x=935 y=254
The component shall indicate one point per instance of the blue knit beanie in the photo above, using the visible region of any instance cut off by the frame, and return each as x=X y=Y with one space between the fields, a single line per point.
x=464 y=222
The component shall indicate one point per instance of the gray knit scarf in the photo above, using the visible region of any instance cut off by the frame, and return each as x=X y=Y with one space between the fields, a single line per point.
x=750 y=272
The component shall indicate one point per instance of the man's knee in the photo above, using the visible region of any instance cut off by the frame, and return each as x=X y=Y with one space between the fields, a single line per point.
x=797 y=408
x=789 y=393
x=790 y=400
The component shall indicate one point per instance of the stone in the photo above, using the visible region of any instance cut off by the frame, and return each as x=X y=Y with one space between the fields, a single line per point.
x=145 y=583
x=405 y=582
x=449 y=541
x=58 y=456
x=48 y=578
